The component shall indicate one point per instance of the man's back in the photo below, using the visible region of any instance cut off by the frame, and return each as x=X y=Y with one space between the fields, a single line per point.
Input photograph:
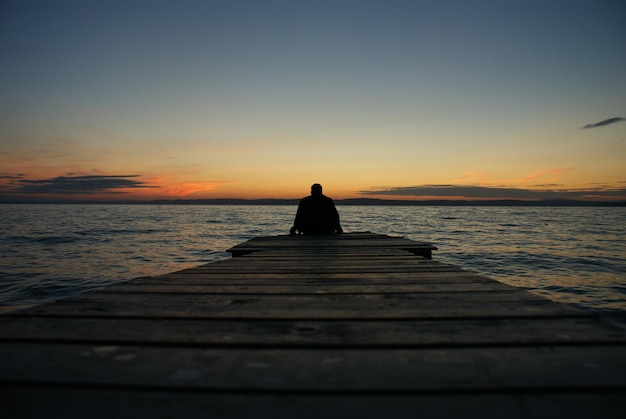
x=317 y=214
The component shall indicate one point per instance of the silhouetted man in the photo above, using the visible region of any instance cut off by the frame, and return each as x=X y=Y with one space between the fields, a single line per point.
x=316 y=214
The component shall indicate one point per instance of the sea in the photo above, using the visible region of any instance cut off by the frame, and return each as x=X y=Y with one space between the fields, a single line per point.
x=575 y=255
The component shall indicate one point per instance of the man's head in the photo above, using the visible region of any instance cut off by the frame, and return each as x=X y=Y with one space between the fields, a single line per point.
x=316 y=189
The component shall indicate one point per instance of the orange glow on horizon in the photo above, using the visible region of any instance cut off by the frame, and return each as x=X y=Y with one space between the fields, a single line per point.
x=189 y=189
x=174 y=185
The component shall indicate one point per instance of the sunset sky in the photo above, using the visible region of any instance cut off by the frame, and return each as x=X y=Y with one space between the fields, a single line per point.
x=394 y=99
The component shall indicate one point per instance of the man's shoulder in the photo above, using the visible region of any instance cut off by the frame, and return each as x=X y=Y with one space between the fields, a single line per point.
x=316 y=198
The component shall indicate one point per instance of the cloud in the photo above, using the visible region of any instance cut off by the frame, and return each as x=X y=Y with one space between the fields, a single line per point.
x=8 y=181
x=497 y=192
x=11 y=156
x=604 y=123
x=6 y=176
x=80 y=185
x=615 y=144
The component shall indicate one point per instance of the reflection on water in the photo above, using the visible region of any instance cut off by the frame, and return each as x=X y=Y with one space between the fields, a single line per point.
x=573 y=255
x=569 y=254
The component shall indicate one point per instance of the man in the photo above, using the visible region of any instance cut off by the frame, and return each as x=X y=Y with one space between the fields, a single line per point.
x=316 y=214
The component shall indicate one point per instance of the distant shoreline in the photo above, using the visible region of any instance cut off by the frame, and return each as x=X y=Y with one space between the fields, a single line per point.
x=340 y=202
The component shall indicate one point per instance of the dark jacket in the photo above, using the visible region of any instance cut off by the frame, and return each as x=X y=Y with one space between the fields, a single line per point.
x=317 y=215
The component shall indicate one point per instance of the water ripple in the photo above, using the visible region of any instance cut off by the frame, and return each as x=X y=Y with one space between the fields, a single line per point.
x=574 y=255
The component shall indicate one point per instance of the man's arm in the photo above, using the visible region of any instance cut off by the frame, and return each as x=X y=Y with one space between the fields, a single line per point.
x=297 y=222
x=337 y=227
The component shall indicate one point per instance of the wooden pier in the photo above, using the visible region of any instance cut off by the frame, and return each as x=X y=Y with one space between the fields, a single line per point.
x=356 y=325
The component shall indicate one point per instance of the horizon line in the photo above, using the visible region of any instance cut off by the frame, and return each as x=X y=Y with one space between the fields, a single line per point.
x=342 y=201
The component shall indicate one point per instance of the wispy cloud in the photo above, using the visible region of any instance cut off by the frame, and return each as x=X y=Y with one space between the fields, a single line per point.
x=546 y=175
x=12 y=156
x=8 y=176
x=615 y=144
x=497 y=192
x=84 y=185
x=8 y=180
x=604 y=123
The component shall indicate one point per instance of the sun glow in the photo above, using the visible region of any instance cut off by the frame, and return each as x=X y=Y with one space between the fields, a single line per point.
x=247 y=115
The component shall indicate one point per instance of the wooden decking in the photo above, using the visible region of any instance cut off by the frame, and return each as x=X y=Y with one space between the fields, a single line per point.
x=354 y=325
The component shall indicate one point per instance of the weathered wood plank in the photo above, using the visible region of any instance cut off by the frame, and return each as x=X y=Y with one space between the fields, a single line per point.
x=331 y=241
x=338 y=240
x=311 y=333
x=321 y=266
x=247 y=260
x=336 y=261
x=299 y=278
x=368 y=306
x=467 y=369
x=257 y=258
x=98 y=403
x=352 y=240
x=354 y=254
x=270 y=288
x=327 y=269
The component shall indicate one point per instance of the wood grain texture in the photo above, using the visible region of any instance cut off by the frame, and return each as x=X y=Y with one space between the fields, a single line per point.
x=352 y=325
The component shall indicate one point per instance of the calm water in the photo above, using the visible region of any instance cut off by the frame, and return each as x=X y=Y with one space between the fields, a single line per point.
x=574 y=255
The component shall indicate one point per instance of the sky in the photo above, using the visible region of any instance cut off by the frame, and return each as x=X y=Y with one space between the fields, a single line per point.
x=152 y=99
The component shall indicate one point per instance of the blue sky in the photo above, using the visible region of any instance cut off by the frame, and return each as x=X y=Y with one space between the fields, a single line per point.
x=263 y=98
